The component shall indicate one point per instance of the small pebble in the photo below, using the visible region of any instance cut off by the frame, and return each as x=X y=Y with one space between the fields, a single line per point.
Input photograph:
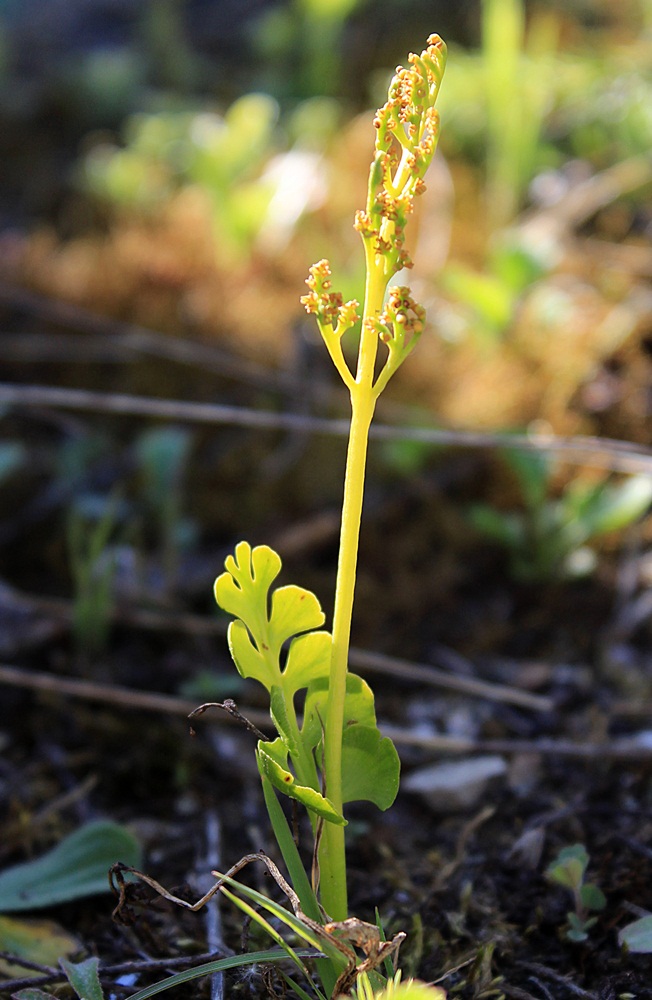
x=458 y=785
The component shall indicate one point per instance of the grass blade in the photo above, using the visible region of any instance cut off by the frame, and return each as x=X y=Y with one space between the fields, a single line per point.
x=220 y=965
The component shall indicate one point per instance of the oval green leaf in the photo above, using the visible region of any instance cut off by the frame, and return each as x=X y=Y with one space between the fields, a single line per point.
x=246 y=657
x=370 y=767
x=592 y=897
x=84 y=978
x=76 y=867
x=309 y=659
x=637 y=936
x=294 y=610
x=358 y=707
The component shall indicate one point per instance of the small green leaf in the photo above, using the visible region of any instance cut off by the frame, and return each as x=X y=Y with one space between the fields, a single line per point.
x=358 y=707
x=562 y=876
x=576 y=852
x=592 y=897
x=84 y=978
x=569 y=866
x=249 y=662
x=272 y=764
x=76 y=867
x=309 y=658
x=264 y=623
x=637 y=936
x=578 y=927
x=370 y=763
x=294 y=610
x=279 y=712
x=568 y=875
x=370 y=767
x=242 y=590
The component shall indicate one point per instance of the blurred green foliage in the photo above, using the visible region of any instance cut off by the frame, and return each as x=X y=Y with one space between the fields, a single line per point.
x=240 y=159
x=517 y=106
x=521 y=104
x=162 y=455
x=13 y=455
x=547 y=539
x=90 y=527
x=489 y=298
x=302 y=44
x=222 y=154
x=568 y=870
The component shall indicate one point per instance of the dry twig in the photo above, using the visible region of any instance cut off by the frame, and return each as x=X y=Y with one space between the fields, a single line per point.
x=623 y=749
x=603 y=453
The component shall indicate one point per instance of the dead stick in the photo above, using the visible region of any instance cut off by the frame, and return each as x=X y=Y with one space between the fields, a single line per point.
x=425 y=674
x=142 y=341
x=621 y=456
x=407 y=670
x=624 y=749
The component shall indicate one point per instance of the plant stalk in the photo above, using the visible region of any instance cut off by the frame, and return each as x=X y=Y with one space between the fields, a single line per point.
x=332 y=856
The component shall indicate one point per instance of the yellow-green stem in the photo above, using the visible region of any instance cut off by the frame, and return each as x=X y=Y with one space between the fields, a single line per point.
x=332 y=853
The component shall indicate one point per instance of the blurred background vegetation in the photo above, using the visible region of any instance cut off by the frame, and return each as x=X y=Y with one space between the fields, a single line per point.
x=176 y=166
x=187 y=159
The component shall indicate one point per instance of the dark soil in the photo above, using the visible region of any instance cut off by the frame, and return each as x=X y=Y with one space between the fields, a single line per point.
x=468 y=887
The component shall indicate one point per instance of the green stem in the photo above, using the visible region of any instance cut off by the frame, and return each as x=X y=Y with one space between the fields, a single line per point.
x=304 y=764
x=332 y=856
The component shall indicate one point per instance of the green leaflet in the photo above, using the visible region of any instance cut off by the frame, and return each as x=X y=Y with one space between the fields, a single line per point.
x=370 y=767
x=592 y=897
x=248 y=660
x=243 y=591
x=264 y=622
x=569 y=867
x=358 y=707
x=294 y=610
x=278 y=709
x=272 y=764
x=309 y=658
x=370 y=763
